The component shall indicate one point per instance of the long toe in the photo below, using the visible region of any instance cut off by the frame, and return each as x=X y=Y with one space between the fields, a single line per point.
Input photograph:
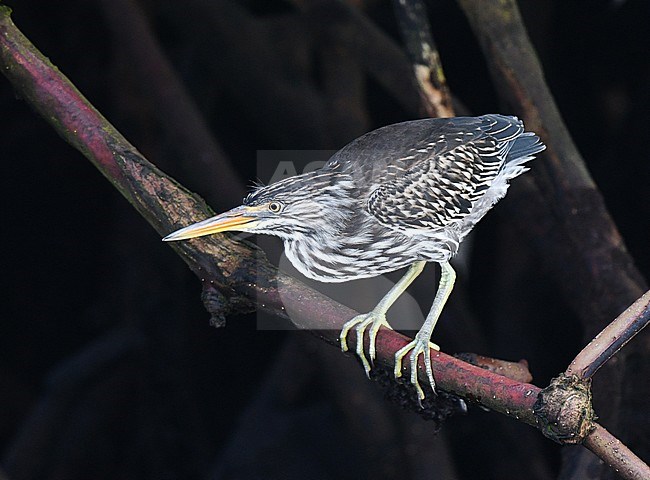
x=374 y=330
x=360 y=324
x=416 y=348
x=361 y=330
x=349 y=325
x=343 y=336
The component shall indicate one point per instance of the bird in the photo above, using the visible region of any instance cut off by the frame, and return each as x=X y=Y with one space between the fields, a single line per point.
x=397 y=197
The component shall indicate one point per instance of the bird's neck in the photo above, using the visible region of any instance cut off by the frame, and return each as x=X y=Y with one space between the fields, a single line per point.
x=318 y=258
x=316 y=253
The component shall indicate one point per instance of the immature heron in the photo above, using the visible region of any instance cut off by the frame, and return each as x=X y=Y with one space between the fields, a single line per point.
x=399 y=196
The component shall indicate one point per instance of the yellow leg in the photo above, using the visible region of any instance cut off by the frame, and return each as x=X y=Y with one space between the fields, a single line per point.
x=422 y=345
x=377 y=317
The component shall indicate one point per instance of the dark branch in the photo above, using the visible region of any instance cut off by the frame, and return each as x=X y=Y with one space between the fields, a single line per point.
x=563 y=183
x=427 y=69
x=605 y=345
x=176 y=110
x=377 y=53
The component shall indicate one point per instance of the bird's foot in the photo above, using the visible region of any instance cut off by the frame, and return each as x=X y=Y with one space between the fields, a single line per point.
x=360 y=323
x=419 y=346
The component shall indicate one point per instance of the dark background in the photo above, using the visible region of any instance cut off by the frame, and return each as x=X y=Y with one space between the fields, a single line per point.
x=109 y=367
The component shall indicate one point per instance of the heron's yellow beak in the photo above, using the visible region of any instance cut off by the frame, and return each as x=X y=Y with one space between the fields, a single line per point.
x=238 y=219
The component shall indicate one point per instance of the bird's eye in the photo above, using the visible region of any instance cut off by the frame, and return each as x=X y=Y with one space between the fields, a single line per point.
x=275 y=207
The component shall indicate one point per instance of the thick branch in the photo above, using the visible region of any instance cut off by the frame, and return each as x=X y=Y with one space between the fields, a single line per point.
x=158 y=198
x=588 y=235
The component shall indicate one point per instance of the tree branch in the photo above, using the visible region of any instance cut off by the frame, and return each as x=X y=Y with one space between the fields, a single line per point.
x=415 y=30
x=562 y=180
x=615 y=335
x=375 y=51
x=616 y=454
x=177 y=112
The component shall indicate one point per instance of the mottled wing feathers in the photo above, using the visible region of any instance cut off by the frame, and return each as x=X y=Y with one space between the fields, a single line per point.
x=442 y=177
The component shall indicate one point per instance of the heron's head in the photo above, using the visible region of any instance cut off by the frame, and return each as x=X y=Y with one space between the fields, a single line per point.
x=309 y=204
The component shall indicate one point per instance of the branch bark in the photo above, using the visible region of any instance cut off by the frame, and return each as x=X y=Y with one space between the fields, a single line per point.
x=615 y=335
x=616 y=454
x=588 y=234
x=377 y=53
x=427 y=69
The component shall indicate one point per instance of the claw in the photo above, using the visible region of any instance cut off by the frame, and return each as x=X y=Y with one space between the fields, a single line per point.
x=360 y=323
x=343 y=336
x=419 y=346
x=361 y=330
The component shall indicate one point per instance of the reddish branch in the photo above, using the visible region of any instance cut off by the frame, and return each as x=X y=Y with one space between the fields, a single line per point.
x=236 y=275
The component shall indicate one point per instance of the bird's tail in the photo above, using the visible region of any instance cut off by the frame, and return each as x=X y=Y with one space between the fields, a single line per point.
x=524 y=149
